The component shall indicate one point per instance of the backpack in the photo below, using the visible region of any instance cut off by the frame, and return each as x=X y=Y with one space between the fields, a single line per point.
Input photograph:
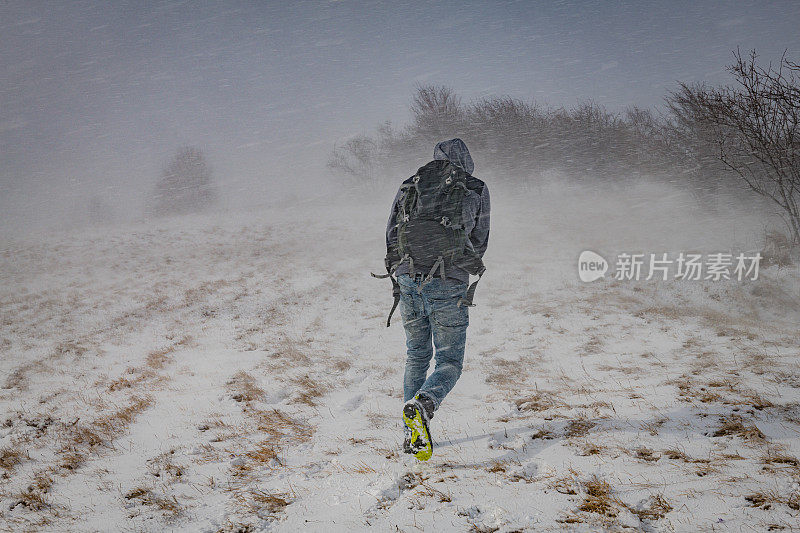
x=431 y=235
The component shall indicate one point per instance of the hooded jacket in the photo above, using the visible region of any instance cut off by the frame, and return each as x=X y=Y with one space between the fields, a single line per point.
x=475 y=207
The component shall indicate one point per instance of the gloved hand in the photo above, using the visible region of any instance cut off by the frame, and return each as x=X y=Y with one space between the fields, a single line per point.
x=391 y=260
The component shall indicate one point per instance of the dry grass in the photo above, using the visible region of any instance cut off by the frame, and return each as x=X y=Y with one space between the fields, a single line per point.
x=780 y=459
x=363 y=468
x=578 y=428
x=432 y=492
x=308 y=390
x=34 y=497
x=264 y=453
x=657 y=508
x=9 y=458
x=133 y=378
x=341 y=365
x=158 y=359
x=102 y=431
x=281 y=427
x=654 y=426
x=676 y=454
x=272 y=503
x=598 y=498
x=73 y=348
x=539 y=401
x=71 y=460
x=169 y=506
x=244 y=389
x=114 y=424
x=645 y=454
x=544 y=434
x=31 y=499
x=735 y=426
x=590 y=448
x=564 y=485
x=766 y=499
x=497 y=467
x=505 y=374
x=288 y=354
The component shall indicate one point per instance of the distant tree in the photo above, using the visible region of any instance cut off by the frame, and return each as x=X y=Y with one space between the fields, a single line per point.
x=437 y=114
x=356 y=158
x=186 y=184
x=755 y=127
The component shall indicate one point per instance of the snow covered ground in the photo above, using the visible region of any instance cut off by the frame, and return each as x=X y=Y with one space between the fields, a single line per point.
x=233 y=373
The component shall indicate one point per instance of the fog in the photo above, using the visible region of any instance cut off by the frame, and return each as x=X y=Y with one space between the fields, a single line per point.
x=95 y=97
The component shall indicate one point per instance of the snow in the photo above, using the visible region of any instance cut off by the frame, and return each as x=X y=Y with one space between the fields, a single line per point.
x=237 y=373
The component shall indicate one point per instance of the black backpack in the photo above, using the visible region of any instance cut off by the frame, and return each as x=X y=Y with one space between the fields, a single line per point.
x=431 y=236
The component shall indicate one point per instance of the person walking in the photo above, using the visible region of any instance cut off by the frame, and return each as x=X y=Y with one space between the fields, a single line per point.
x=437 y=234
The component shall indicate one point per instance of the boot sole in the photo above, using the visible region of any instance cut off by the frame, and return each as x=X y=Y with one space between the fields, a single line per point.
x=413 y=419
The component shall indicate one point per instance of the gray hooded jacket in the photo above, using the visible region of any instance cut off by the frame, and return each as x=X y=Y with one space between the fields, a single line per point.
x=475 y=208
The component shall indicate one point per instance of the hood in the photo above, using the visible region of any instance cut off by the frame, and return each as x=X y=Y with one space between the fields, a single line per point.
x=456 y=152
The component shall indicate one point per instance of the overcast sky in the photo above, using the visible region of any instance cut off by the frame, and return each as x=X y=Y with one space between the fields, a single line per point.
x=95 y=96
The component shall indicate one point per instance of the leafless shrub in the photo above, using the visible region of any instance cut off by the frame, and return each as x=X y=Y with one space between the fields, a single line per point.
x=437 y=113
x=358 y=157
x=755 y=127
x=186 y=184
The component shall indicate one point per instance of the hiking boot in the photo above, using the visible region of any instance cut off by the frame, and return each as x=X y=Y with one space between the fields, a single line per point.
x=417 y=412
x=407 y=440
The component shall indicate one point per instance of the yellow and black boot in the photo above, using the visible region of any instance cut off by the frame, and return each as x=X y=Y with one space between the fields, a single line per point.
x=417 y=412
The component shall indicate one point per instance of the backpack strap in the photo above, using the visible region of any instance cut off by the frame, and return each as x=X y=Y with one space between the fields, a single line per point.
x=439 y=264
x=466 y=301
x=390 y=269
x=409 y=200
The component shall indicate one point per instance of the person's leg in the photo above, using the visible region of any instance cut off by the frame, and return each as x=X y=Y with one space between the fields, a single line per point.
x=418 y=337
x=449 y=331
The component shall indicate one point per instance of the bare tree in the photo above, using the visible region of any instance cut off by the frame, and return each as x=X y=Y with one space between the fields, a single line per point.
x=755 y=128
x=186 y=184
x=437 y=113
x=357 y=158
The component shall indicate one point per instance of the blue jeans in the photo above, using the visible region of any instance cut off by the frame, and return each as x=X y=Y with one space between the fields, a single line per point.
x=433 y=315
